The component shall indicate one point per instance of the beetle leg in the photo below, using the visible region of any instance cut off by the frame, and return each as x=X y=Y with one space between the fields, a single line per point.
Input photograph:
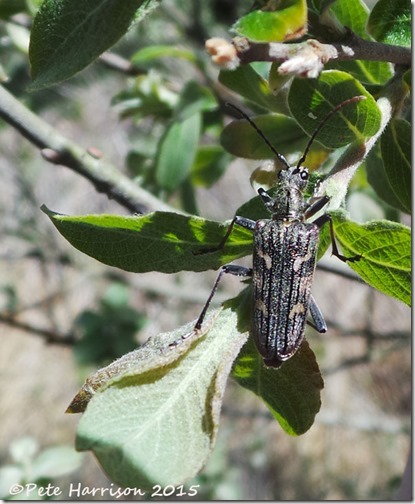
x=320 y=221
x=316 y=206
x=319 y=324
x=233 y=269
x=241 y=221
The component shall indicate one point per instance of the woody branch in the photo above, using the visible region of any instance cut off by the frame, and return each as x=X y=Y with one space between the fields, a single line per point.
x=305 y=59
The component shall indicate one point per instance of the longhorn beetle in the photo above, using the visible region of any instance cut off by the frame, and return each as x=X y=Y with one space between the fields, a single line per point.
x=284 y=258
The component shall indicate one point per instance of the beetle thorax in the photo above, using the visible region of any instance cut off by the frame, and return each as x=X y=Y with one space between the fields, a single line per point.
x=288 y=202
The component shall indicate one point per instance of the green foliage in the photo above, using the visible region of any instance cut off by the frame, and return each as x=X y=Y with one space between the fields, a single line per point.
x=386 y=261
x=196 y=367
x=69 y=35
x=158 y=241
x=33 y=467
x=162 y=404
x=152 y=53
x=10 y=7
x=391 y=22
x=310 y=100
x=109 y=331
x=396 y=154
x=241 y=140
x=286 y=22
x=177 y=160
x=355 y=15
x=251 y=85
x=177 y=152
x=152 y=416
x=389 y=166
x=292 y=393
x=209 y=165
x=171 y=241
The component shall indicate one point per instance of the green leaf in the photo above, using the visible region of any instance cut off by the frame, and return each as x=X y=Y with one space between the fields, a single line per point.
x=390 y=22
x=389 y=171
x=109 y=331
x=288 y=22
x=311 y=99
x=149 y=54
x=276 y=81
x=253 y=209
x=68 y=35
x=55 y=462
x=10 y=7
x=368 y=72
x=240 y=139
x=156 y=418
x=386 y=250
x=291 y=392
x=177 y=152
x=407 y=79
x=319 y=6
x=210 y=164
x=23 y=450
x=194 y=98
x=251 y=85
x=148 y=96
x=378 y=179
x=396 y=154
x=354 y=14
x=159 y=241
x=9 y=476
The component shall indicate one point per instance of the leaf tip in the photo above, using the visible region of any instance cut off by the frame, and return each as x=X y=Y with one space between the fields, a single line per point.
x=80 y=401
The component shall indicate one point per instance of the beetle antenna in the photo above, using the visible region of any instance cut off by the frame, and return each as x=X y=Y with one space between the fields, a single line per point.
x=279 y=156
x=324 y=121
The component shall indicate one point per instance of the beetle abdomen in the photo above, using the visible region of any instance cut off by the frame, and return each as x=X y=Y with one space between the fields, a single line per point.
x=283 y=267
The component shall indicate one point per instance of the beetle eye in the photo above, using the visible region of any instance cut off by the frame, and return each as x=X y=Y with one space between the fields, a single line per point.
x=304 y=174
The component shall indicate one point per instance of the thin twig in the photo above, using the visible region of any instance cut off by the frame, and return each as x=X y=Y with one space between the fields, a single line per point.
x=46 y=334
x=59 y=150
x=120 y=64
x=305 y=59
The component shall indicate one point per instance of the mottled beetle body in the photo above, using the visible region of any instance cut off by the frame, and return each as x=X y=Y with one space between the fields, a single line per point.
x=284 y=260
x=282 y=286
